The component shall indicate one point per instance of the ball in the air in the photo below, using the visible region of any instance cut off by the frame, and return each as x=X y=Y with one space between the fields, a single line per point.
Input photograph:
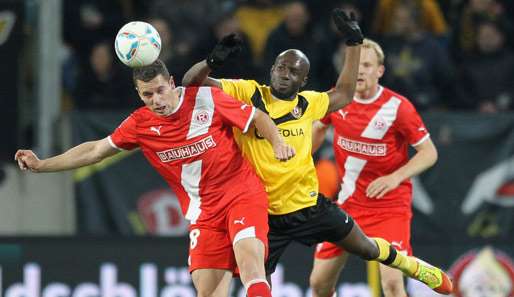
x=137 y=44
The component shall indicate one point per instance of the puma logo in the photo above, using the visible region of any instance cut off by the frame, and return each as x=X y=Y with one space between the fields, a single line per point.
x=343 y=114
x=397 y=244
x=241 y=221
x=156 y=130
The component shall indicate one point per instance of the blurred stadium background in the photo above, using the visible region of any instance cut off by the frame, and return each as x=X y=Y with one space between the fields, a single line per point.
x=115 y=230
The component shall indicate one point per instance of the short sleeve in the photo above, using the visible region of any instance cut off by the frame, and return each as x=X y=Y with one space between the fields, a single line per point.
x=326 y=120
x=125 y=136
x=318 y=103
x=234 y=113
x=239 y=89
x=410 y=124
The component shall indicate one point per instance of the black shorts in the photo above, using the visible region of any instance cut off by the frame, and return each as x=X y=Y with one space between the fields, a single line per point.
x=325 y=221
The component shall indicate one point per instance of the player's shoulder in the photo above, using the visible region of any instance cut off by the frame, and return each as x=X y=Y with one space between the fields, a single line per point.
x=313 y=96
x=241 y=82
x=388 y=94
x=194 y=93
x=405 y=103
x=141 y=114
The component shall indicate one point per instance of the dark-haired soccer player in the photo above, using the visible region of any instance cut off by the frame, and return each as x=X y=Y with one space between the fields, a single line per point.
x=186 y=135
x=297 y=212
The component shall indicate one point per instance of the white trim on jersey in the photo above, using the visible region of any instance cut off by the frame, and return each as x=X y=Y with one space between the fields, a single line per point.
x=352 y=169
x=112 y=144
x=383 y=119
x=372 y=99
x=249 y=120
x=244 y=233
x=190 y=180
x=421 y=140
x=204 y=107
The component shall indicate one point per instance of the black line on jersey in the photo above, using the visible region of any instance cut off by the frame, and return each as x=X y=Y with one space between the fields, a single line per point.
x=301 y=106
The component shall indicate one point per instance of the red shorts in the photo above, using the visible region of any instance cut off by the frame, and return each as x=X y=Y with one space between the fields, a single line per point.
x=393 y=227
x=211 y=247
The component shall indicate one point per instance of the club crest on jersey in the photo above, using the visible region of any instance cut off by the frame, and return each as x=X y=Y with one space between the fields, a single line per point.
x=379 y=124
x=201 y=117
x=297 y=112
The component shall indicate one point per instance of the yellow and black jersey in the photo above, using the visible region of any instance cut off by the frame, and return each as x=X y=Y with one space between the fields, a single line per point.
x=291 y=185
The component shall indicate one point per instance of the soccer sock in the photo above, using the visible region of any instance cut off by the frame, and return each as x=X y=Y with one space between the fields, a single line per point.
x=390 y=257
x=258 y=288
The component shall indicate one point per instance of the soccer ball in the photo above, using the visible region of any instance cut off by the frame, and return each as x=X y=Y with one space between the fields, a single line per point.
x=137 y=44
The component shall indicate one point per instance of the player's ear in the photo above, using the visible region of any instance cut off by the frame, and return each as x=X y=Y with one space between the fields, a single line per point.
x=172 y=82
x=381 y=70
x=305 y=80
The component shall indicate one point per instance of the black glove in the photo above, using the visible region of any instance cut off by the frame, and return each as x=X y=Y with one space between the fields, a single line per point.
x=227 y=48
x=348 y=27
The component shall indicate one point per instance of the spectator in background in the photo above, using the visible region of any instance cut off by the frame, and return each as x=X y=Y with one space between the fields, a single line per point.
x=295 y=32
x=419 y=66
x=465 y=28
x=175 y=54
x=187 y=19
x=487 y=77
x=103 y=84
x=87 y=21
x=430 y=16
x=226 y=24
x=257 y=19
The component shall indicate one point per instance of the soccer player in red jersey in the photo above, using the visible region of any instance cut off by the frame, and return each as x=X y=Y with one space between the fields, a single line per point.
x=371 y=138
x=186 y=135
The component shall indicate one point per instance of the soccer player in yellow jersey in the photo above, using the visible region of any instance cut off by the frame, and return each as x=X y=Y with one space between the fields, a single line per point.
x=297 y=212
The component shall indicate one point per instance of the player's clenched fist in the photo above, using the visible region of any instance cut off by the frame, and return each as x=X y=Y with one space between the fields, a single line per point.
x=227 y=48
x=283 y=151
x=27 y=160
x=348 y=27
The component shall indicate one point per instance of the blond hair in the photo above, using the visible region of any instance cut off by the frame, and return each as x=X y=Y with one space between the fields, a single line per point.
x=368 y=43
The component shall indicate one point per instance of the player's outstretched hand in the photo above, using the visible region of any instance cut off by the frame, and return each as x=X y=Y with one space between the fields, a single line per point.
x=27 y=160
x=348 y=26
x=227 y=48
x=283 y=151
x=381 y=186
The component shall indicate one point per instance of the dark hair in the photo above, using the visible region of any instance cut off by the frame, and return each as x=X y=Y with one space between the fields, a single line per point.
x=149 y=72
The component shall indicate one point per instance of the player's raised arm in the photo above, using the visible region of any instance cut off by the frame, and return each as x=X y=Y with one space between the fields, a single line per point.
x=343 y=92
x=269 y=131
x=227 y=48
x=81 y=155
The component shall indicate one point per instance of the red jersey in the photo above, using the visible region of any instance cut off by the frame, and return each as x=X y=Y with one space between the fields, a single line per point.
x=194 y=150
x=371 y=139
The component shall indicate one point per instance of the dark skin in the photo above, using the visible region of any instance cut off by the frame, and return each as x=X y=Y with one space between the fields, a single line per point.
x=289 y=74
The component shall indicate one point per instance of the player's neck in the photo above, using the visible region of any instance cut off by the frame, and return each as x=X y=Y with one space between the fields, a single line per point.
x=368 y=94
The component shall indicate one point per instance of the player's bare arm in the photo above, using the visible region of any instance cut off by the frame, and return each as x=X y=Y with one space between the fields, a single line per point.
x=342 y=93
x=269 y=131
x=425 y=157
x=81 y=155
x=227 y=48
x=319 y=130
